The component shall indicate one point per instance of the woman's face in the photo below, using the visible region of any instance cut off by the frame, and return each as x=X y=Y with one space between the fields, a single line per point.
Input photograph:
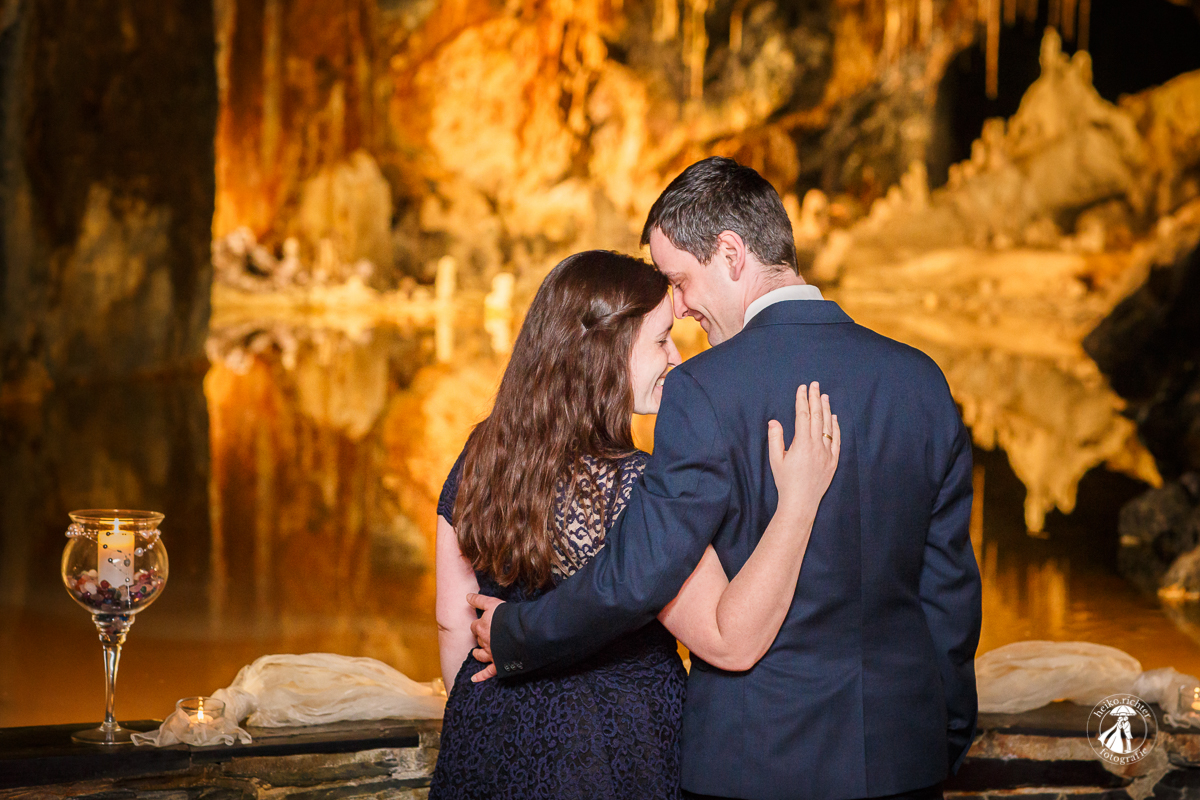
x=654 y=352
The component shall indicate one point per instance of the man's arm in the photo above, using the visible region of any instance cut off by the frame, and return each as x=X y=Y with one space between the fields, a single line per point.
x=672 y=515
x=951 y=597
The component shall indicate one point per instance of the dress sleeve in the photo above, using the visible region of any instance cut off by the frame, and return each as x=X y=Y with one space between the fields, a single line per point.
x=445 y=506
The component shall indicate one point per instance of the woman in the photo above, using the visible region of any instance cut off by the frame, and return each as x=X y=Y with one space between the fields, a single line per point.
x=527 y=505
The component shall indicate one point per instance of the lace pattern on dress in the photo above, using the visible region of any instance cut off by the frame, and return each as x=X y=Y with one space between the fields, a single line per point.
x=584 y=511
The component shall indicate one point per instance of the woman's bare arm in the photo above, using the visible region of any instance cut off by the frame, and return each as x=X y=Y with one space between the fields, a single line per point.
x=732 y=624
x=455 y=580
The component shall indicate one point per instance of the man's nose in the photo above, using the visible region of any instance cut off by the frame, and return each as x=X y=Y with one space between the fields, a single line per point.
x=677 y=304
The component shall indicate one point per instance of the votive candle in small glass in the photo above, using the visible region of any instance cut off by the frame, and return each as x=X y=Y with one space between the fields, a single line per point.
x=202 y=710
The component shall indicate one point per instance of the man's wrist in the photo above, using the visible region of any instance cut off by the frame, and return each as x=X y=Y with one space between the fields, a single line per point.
x=505 y=660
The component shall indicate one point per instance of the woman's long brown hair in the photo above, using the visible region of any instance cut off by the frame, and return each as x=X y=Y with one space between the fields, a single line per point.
x=565 y=394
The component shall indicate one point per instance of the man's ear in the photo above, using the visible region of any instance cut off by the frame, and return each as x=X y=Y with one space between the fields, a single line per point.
x=731 y=254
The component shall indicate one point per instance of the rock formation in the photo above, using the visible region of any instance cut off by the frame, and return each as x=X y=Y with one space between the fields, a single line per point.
x=1060 y=214
x=362 y=151
x=106 y=191
x=510 y=136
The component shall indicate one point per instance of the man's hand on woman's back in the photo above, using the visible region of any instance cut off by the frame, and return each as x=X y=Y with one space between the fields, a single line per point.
x=482 y=628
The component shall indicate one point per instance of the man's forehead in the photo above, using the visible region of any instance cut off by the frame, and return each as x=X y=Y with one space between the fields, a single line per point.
x=659 y=243
x=664 y=255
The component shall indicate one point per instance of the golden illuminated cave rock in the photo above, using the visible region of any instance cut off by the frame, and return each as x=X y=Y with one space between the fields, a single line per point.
x=511 y=136
x=979 y=275
x=107 y=190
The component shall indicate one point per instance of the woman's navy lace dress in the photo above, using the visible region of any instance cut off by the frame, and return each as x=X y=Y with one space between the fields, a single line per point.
x=606 y=728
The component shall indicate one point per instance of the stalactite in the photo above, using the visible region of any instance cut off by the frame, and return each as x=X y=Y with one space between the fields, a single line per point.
x=993 y=49
x=1072 y=18
x=272 y=79
x=907 y=23
x=697 y=48
x=891 y=31
x=1085 y=19
x=666 y=20
x=736 y=18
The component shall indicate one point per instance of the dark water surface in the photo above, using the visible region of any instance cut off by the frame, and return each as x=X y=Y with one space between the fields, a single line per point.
x=299 y=478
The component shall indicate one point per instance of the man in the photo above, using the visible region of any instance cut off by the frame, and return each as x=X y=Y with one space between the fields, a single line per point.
x=869 y=688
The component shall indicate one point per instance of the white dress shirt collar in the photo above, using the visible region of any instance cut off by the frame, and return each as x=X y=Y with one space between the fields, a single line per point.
x=805 y=291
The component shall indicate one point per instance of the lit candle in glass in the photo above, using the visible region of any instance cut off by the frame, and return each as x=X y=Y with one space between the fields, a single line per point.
x=115 y=559
x=1189 y=704
x=202 y=710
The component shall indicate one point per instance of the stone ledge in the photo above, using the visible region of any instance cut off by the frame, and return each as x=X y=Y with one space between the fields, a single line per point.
x=383 y=758
x=1045 y=753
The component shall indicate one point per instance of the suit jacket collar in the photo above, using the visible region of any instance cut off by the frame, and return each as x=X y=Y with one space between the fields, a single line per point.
x=800 y=312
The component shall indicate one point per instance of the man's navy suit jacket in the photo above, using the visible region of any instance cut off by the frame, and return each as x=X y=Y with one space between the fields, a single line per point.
x=869 y=689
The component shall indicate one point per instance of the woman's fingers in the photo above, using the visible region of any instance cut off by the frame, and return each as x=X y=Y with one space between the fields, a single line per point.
x=837 y=439
x=815 y=424
x=801 y=409
x=775 y=445
x=812 y=409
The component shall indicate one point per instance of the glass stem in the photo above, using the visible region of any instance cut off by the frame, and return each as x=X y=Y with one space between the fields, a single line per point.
x=112 y=629
x=112 y=658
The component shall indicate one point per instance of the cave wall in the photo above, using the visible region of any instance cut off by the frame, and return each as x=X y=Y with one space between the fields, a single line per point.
x=508 y=135
x=372 y=138
x=109 y=110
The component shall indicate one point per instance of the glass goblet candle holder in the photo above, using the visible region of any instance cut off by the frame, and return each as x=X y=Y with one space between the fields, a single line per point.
x=114 y=566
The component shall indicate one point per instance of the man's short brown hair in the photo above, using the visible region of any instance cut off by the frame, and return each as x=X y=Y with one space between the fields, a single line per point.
x=719 y=194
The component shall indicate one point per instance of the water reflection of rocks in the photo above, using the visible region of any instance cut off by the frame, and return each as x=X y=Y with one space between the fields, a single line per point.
x=1061 y=213
x=330 y=439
